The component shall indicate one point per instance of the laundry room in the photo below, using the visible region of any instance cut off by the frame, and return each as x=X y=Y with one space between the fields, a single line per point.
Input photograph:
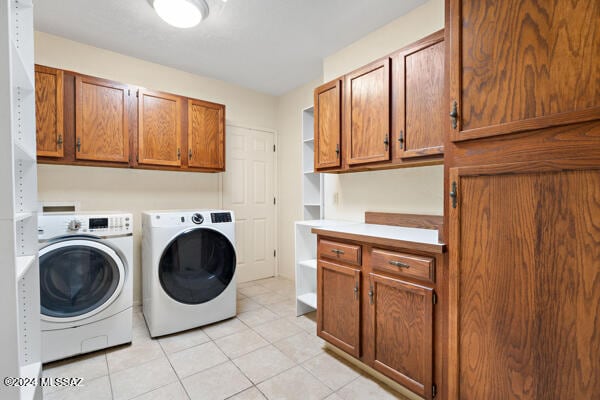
x=243 y=199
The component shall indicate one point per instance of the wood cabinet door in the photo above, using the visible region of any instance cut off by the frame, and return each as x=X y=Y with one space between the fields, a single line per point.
x=525 y=282
x=367 y=130
x=49 y=111
x=520 y=65
x=101 y=128
x=206 y=135
x=338 y=306
x=328 y=125
x=419 y=115
x=402 y=328
x=159 y=128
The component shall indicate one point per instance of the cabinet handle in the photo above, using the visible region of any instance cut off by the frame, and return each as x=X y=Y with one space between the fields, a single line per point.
x=179 y=154
x=78 y=144
x=338 y=252
x=386 y=141
x=190 y=154
x=356 y=290
x=371 y=294
x=337 y=150
x=399 y=264
x=454 y=115
x=59 y=142
x=401 y=138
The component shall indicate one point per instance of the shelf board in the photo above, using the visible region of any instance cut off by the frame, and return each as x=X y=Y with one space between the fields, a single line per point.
x=311 y=140
x=22 y=153
x=310 y=172
x=22 y=216
x=310 y=299
x=32 y=370
x=312 y=264
x=23 y=265
x=312 y=205
x=23 y=77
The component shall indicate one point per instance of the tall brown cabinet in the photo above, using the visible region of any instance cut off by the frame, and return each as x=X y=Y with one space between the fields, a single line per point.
x=523 y=206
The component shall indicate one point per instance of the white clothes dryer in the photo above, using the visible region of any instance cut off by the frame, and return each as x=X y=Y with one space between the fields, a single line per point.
x=86 y=290
x=188 y=269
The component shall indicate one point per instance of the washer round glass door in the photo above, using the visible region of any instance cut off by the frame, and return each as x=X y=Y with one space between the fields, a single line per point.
x=197 y=266
x=78 y=278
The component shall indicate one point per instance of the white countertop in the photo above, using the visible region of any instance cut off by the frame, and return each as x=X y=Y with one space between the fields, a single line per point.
x=416 y=235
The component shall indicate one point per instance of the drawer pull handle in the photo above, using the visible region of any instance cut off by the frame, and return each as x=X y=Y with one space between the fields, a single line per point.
x=338 y=252
x=399 y=264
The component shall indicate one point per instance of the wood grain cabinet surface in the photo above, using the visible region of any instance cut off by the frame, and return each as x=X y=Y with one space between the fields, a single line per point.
x=206 y=135
x=159 y=130
x=523 y=200
x=378 y=305
x=328 y=125
x=101 y=128
x=402 y=326
x=519 y=65
x=368 y=124
x=338 y=310
x=88 y=121
x=391 y=113
x=419 y=116
x=49 y=111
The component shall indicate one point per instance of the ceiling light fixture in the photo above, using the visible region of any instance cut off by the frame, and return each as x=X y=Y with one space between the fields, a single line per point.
x=181 y=13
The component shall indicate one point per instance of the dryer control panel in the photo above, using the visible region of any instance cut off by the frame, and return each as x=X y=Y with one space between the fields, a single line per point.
x=220 y=217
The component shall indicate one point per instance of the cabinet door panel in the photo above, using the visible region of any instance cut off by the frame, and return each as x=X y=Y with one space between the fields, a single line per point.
x=525 y=283
x=328 y=125
x=159 y=133
x=402 y=326
x=206 y=135
x=101 y=120
x=338 y=306
x=521 y=65
x=49 y=111
x=419 y=111
x=368 y=113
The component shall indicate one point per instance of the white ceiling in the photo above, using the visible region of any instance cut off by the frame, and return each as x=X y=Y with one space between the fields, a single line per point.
x=268 y=45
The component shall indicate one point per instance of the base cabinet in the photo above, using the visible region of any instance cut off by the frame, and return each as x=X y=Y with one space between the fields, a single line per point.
x=338 y=310
x=402 y=326
x=378 y=305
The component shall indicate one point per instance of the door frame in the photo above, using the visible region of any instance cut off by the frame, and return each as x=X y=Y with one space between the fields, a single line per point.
x=229 y=123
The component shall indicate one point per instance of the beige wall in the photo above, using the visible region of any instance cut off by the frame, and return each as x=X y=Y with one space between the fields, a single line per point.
x=410 y=190
x=138 y=190
x=289 y=161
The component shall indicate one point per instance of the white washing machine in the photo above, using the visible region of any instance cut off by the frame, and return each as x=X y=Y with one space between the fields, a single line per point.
x=86 y=290
x=188 y=268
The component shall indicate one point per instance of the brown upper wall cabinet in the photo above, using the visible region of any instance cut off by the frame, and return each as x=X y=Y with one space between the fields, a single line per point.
x=83 y=120
x=159 y=130
x=101 y=128
x=206 y=135
x=389 y=114
x=368 y=113
x=418 y=89
x=328 y=125
x=49 y=111
x=518 y=66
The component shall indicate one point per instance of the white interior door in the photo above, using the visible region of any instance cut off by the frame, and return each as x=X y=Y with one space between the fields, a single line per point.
x=248 y=190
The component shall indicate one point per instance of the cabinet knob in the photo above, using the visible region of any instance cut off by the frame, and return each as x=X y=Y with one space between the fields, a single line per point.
x=356 y=290
x=371 y=294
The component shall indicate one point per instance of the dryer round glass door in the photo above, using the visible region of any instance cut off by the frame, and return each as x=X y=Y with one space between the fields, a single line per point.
x=197 y=266
x=78 y=278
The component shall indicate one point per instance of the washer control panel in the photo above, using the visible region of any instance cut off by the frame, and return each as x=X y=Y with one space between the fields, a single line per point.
x=50 y=225
x=220 y=217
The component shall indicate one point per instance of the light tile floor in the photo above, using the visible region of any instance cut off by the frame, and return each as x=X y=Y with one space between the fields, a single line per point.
x=266 y=352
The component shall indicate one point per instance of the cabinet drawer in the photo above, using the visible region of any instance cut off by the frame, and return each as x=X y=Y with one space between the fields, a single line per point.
x=347 y=253
x=418 y=267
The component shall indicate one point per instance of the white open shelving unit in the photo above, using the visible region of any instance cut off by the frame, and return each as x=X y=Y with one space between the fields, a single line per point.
x=312 y=182
x=19 y=286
